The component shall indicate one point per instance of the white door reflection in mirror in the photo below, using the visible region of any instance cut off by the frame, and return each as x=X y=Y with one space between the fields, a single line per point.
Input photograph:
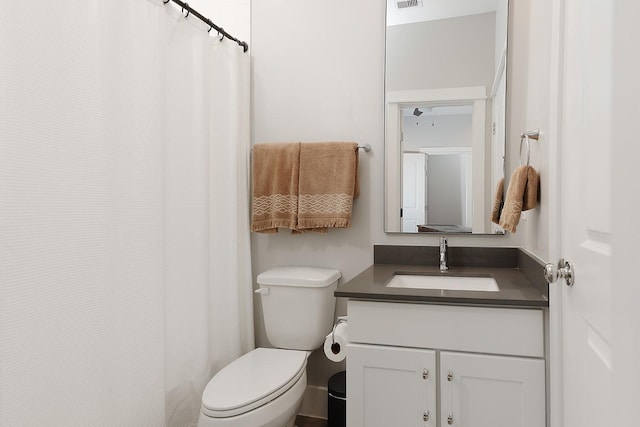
x=449 y=126
x=450 y=190
x=414 y=178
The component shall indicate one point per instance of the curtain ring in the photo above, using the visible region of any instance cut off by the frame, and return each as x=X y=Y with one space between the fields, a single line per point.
x=221 y=34
x=165 y=1
x=188 y=11
x=210 y=28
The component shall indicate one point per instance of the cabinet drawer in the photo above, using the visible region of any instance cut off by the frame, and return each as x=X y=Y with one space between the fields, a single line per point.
x=508 y=331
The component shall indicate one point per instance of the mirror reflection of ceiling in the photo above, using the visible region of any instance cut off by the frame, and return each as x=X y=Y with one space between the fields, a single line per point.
x=430 y=10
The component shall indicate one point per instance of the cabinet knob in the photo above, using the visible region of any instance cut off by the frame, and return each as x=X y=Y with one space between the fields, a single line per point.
x=450 y=419
x=425 y=374
x=425 y=416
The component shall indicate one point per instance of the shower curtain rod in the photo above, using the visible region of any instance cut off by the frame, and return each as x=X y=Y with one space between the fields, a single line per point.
x=220 y=30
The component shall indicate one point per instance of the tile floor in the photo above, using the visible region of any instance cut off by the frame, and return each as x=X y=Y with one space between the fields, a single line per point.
x=310 y=422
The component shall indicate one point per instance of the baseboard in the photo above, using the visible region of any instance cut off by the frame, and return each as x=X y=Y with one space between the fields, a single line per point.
x=314 y=402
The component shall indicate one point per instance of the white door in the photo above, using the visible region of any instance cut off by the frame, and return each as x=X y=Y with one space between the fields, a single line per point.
x=585 y=234
x=414 y=177
x=390 y=386
x=466 y=193
x=626 y=205
x=480 y=390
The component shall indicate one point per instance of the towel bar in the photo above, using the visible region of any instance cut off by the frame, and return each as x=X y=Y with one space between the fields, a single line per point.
x=365 y=147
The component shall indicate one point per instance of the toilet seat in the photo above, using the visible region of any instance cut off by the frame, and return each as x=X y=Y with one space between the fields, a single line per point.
x=251 y=381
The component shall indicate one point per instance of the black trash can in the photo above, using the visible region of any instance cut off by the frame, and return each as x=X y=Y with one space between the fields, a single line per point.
x=337 y=413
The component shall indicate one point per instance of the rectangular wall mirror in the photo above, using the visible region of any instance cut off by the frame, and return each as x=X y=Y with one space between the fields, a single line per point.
x=445 y=95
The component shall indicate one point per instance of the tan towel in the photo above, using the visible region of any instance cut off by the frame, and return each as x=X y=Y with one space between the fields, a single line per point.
x=328 y=185
x=498 y=202
x=522 y=195
x=531 y=190
x=275 y=186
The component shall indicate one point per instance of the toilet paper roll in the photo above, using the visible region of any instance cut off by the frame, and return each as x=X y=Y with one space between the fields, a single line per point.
x=335 y=344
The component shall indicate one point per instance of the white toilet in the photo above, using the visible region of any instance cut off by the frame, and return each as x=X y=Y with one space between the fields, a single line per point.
x=264 y=388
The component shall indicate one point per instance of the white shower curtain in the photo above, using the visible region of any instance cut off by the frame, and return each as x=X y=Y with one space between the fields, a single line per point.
x=125 y=277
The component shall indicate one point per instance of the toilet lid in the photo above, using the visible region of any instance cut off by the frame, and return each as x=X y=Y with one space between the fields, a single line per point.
x=252 y=380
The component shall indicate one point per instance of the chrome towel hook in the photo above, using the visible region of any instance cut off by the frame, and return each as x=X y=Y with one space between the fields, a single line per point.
x=525 y=137
x=532 y=134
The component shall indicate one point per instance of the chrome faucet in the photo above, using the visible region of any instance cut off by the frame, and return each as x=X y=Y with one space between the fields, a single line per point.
x=443 y=254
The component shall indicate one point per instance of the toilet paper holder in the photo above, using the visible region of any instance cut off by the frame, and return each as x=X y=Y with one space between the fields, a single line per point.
x=341 y=319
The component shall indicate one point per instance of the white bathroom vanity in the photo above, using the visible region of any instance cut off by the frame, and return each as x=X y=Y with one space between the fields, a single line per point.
x=445 y=357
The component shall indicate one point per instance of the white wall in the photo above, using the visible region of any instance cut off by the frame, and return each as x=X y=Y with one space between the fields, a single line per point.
x=502 y=15
x=232 y=15
x=318 y=75
x=529 y=89
x=445 y=183
x=445 y=193
x=437 y=131
x=455 y=52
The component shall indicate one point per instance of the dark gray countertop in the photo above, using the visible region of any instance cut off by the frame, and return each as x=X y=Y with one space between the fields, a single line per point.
x=516 y=290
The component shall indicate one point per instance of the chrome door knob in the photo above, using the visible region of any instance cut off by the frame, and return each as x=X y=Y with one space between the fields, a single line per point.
x=563 y=270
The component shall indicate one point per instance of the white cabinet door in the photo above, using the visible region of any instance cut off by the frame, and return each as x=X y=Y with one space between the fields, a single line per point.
x=479 y=390
x=390 y=386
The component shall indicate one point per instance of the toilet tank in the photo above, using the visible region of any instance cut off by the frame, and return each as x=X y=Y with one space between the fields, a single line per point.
x=298 y=305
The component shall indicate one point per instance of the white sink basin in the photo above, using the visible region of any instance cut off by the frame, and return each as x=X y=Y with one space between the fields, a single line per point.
x=443 y=281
